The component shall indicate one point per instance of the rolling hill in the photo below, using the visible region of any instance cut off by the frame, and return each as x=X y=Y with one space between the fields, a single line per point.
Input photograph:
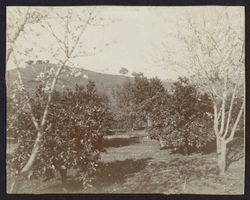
x=104 y=82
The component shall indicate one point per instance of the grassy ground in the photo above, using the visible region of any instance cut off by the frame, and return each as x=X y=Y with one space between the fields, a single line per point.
x=134 y=164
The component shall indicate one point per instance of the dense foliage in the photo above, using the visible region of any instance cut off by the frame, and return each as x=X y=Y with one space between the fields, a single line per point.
x=76 y=124
x=134 y=101
x=182 y=119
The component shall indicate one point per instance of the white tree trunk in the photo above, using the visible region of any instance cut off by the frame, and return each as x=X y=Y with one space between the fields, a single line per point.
x=222 y=158
x=218 y=145
x=40 y=127
x=149 y=124
x=26 y=169
x=33 y=155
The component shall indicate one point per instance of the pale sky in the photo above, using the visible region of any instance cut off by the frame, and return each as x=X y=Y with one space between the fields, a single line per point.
x=132 y=37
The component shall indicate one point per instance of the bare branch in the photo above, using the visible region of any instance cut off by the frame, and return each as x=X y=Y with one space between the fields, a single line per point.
x=80 y=35
x=60 y=42
x=230 y=109
x=34 y=120
x=223 y=107
x=46 y=110
x=216 y=129
x=230 y=138
x=54 y=81
x=87 y=54
x=18 y=32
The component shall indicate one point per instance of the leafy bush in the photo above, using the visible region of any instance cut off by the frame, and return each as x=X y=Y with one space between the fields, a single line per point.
x=182 y=120
x=76 y=124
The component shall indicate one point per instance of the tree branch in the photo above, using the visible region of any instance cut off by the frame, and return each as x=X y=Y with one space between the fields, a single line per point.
x=54 y=81
x=223 y=107
x=26 y=95
x=230 y=110
x=216 y=128
x=19 y=30
x=230 y=138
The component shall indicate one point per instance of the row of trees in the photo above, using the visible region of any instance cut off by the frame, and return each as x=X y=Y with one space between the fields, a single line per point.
x=181 y=117
x=215 y=58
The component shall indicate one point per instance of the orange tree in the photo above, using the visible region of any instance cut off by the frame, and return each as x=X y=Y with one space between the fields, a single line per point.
x=133 y=100
x=76 y=123
x=182 y=118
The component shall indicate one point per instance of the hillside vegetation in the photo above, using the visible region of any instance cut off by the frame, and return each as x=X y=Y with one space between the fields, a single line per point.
x=103 y=82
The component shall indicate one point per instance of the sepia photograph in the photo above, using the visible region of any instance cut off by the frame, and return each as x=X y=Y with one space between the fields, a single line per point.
x=125 y=99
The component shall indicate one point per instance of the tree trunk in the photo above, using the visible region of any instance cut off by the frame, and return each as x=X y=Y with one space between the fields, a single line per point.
x=148 y=121
x=63 y=172
x=131 y=124
x=33 y=155
x=222 y=158
x=26 y=169
x=218 y=145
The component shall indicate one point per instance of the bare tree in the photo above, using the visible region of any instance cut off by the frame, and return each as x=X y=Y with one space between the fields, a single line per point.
x=66 y=28
x=19 y=22
x=214 y=57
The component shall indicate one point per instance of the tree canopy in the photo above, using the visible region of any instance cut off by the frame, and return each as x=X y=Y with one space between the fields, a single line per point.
x=77 y=121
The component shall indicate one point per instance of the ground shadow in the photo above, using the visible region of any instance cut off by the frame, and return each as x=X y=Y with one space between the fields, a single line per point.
x=107 y=174
x=189 y=150
x=119 y=142
x=169 y=176
x=210 y=147
x=116 y=172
